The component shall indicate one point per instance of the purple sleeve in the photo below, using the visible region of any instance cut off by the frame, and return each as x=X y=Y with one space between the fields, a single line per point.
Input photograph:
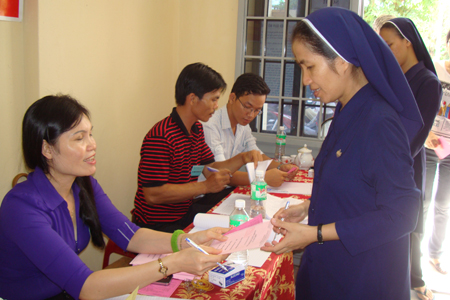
x=31 y=230
x=114 y=224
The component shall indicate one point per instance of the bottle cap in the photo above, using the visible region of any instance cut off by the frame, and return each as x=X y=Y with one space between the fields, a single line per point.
x=259 y=173
x=239 y=203
x=281 y=127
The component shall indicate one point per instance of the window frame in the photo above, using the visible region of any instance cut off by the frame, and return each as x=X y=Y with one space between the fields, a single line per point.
x=267 y=138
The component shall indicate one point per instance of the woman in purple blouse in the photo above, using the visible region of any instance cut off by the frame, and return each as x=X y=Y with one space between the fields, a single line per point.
x=46 y=221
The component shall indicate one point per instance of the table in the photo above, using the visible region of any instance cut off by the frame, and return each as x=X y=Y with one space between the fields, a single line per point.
x=274 y=280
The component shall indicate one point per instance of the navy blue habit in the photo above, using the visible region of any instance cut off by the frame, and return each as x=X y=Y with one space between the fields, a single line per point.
x=363 y=175
x=427 y=91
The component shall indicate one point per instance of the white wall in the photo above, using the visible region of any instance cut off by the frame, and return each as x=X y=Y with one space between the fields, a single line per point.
x=121 y=60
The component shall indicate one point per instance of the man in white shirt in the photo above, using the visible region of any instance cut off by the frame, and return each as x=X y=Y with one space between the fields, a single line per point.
x=228 y=133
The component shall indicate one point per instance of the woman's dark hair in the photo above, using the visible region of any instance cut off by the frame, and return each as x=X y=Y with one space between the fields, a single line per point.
x=389 y=25
x=46 y=119
x=199 y=79
x=448 y=36
x=303 y=33
x=249 y=83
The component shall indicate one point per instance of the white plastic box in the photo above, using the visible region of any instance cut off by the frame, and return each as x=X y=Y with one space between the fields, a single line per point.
x=219 y=277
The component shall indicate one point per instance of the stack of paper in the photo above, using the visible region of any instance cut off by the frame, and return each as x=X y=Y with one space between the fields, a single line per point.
x=297 y=188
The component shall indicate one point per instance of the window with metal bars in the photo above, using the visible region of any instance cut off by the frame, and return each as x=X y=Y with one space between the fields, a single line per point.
x=264 y=48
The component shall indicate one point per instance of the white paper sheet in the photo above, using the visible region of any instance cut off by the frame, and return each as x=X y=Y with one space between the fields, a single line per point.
x=274 y=203
x=206 y=221
x=257 y=257
x=227 y=206
x=300 y=188
x=251 y=171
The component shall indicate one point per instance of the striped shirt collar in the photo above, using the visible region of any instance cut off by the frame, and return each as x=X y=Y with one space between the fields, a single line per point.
x=177 y=119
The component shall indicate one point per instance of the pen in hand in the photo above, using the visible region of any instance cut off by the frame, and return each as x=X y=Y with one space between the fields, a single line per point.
x=282 y=219
x=191 y=243
x=214 y=170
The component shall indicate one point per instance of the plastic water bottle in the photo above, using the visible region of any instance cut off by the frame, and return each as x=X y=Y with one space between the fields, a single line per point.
x=237 y=217
x=280 y=144
x=259 y=195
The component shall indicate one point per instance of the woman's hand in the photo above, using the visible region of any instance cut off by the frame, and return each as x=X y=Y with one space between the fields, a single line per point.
x=432 y=141
x=193 y=261
x=296 y=236
x=204 y=237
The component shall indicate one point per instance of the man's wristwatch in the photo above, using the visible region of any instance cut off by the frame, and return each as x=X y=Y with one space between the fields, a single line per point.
x=162 y=269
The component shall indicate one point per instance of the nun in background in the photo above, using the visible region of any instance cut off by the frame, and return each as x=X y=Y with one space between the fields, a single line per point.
x=412 y=55
x=364 y=202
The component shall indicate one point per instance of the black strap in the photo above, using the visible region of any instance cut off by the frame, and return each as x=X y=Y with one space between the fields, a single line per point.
x=319 y=234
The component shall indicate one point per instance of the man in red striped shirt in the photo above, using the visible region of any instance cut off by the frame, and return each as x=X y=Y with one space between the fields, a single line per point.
x=174 y=153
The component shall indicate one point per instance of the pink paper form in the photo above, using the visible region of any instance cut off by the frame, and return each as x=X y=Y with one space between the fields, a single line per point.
x=443 y=150
x=247 y=238
x=254 y=221
x=159 y=289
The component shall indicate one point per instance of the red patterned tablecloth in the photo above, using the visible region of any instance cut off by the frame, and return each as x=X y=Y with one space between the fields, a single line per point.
x=274 y=280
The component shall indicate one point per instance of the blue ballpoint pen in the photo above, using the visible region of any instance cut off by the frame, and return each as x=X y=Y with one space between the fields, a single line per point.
x=282 y=219
x=203 y=251
x=211 y=169
x=214 y=170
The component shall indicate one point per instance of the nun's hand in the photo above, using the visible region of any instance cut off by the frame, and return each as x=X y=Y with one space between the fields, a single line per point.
x=295 y=213
x=296 y=236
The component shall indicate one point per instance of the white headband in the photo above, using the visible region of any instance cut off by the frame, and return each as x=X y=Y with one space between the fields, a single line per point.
x=308 y=22
x=399 y=30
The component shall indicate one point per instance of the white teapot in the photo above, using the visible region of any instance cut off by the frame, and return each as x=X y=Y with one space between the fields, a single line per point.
x=304 y=159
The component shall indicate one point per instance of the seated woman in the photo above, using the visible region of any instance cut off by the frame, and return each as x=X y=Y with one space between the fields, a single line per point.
x=46 y=221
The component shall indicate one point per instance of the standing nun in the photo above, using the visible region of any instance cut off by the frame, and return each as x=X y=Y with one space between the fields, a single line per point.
x=364 y=203
x=412 y=55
